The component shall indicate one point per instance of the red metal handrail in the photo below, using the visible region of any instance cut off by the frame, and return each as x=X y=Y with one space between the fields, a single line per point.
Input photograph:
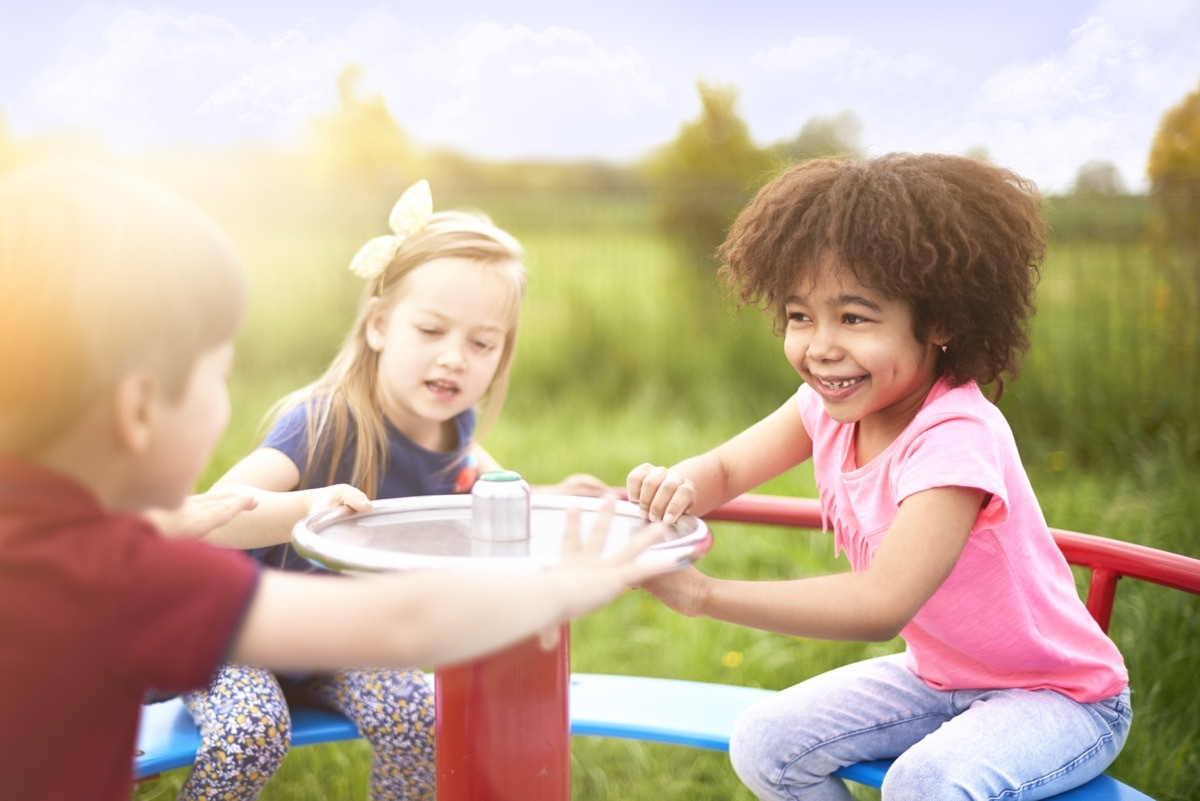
x=1108 y=560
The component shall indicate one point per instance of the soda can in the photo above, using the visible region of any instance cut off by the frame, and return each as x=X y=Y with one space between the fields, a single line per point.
x=500 y=507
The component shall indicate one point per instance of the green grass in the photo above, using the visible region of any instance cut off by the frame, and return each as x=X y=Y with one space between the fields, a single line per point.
x=627 y=356
x=1114 y=365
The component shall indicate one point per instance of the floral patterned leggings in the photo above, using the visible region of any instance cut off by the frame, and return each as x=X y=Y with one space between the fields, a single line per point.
x=245 y=728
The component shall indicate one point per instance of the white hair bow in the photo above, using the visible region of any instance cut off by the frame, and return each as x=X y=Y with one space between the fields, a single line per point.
x=410 y=214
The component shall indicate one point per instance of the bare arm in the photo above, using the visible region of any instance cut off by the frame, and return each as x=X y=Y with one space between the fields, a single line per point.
x=265 y=468
x=917 y=553
x=271 y=478
x=702 y=483
x=201 y=514
x=326 y=622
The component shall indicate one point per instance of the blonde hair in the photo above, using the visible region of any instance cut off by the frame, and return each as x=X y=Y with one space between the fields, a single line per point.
x=100 y=274
x=343 y=403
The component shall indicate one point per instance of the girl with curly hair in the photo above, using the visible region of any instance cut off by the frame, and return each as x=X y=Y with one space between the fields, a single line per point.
x=902 y=285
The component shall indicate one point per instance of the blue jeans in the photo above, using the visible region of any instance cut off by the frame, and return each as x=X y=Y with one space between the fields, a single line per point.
x=1016 y=745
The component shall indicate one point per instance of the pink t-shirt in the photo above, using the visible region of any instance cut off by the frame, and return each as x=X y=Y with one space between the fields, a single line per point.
x=1008 y=615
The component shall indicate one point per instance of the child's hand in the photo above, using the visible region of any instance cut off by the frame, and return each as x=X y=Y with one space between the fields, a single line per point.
x=336 y=496
x=200 y=514
x=589 y=578
x=660 y=493
x=680 y=590
x=576 y=484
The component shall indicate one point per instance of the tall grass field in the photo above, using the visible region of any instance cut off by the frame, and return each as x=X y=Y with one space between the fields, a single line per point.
x=629 y=353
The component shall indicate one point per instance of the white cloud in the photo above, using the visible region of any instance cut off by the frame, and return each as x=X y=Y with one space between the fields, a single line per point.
x=155 y=76
x=555 y=92
x=1099 y=98
x=284 y=81
x=491 y=90
x=892 y=92
x=1089 y=72
x=147 y=77
x=843 y=59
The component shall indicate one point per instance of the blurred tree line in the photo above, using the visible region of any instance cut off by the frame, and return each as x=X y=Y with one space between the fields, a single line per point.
x=677 y=203
x=360 y=140
x=698 y=181
x=707 y=173
x=1174 y=170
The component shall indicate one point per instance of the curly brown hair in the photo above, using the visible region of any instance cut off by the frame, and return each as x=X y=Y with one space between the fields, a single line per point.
x=958 y=240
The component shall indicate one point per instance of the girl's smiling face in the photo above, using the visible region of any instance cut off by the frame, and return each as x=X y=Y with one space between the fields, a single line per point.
x=440 y=345
x=857 y=350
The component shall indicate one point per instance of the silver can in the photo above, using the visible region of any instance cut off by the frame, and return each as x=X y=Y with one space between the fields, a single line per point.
x=500 y=507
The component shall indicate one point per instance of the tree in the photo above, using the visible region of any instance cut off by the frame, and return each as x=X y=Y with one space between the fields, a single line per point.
x=707 y=174
x=978 y=153
x=824 y=136
x=361 y=140
x=1098 y=178
x=1174 y=171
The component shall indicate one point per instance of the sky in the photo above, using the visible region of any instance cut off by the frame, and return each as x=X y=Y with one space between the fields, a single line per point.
x=1042 y=86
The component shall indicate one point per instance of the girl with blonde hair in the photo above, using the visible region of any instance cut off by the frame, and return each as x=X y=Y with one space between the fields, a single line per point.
x=120 y=344
x=394 y=415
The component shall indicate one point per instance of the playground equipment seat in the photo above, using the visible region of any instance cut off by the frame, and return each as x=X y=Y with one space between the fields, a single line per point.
x=701 y=714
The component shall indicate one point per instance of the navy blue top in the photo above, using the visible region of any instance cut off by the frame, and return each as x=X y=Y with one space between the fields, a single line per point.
x=408 y=470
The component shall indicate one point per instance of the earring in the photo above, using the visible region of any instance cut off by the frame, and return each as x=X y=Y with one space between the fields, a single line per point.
x=943 y=347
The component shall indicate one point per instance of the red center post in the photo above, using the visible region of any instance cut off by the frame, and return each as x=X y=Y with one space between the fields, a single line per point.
x=503 y=725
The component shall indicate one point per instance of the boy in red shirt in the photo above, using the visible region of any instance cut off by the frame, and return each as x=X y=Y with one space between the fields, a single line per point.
x=118 y=306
